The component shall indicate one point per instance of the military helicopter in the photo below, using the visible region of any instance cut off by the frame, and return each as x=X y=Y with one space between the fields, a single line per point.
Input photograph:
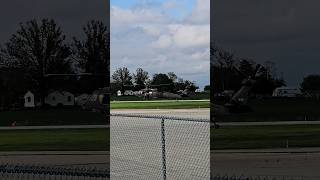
x=237 y=103
x=152 y=91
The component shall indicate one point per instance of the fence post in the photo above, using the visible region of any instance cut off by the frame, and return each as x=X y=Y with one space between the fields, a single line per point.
x=163 y=137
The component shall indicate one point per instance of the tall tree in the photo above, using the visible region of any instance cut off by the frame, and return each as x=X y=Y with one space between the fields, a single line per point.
x=172 y=76
x=246 y=68
x=39 y=48
x=92 y=53
x=311 y=83
x=140 y=78
x=122 y=78
x=225 y=61
x=162 y=82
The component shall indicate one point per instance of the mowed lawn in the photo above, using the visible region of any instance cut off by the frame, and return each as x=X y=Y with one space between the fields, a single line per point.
x=256 y=137
x=160 y=104
x=285 y=109
x=43 y=117
x=55 y=140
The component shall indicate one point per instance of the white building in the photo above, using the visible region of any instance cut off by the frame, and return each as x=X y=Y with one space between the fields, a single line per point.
x=128 y=93
x=60 y=98
x=119 y=93
x=55 y=98
x=29 y=100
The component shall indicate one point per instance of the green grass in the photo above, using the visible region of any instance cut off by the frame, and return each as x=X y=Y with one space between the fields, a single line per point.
x=51 y=117
x=55 y=140
x=160 y=105
x=126 y=98
x=197 y=96
x=256 y=137
x=290 y=109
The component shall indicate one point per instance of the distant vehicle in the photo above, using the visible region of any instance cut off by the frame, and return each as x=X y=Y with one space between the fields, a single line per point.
x=286 y=92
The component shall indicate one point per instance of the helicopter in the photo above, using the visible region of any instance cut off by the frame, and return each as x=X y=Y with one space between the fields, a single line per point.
x=237 y=103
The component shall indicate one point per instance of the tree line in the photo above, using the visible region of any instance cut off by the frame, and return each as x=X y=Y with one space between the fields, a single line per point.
x=228 y=71
x=123 y=80
x=38 y=57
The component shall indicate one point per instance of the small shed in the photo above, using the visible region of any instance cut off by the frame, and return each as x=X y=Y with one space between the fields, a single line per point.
x=29 y=100
x=119 y=93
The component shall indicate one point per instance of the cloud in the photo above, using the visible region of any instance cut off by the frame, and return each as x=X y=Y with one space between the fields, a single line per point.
x=283 y=31
x=201 y=12
x=158 y=41
x=185 y=36
x=164 y=41
x=170 y=5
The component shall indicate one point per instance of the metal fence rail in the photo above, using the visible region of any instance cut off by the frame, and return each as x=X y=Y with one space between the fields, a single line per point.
x=159 y=147
x=26 y=172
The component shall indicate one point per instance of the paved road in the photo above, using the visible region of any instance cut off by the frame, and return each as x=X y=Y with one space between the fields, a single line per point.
x=268 y=123
x=203 y=113
x=278 y=162
x=55 y=127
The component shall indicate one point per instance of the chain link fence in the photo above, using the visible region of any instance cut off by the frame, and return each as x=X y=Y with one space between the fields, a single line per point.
x=159 y=147
x=33 y=172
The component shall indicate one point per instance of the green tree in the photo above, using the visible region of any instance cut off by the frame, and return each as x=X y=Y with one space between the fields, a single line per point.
x=162 y=82
x=311 y=83
x=122 y=78
x=207 y=88
x=172 y=76
x=140 y=78
x=39 y=48
x=92 y=54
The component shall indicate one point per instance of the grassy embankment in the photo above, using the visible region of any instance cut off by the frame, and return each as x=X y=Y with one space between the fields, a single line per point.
x=255 y=137
x=39 y=117
x=55 y=140
x=290 y=109
x=160 y=104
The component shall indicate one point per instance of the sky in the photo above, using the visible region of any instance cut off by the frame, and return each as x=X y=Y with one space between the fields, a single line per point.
x=283 y=31
x=71 y=15
x=162 y=36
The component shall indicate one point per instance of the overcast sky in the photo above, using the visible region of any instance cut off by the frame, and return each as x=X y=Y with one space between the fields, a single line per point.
x=71 y=15
x=162 y=36
x=283 y=31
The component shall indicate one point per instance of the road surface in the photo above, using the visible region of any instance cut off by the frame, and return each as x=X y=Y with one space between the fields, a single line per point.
x=203 y=113
x=268 y=123
x=300 y=163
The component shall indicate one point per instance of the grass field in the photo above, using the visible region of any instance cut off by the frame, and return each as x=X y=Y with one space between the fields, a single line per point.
x=51 y=117
x=55 y=140
x=160 y=105
x=255 y=137
x=197 y=96
x=289 y=109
